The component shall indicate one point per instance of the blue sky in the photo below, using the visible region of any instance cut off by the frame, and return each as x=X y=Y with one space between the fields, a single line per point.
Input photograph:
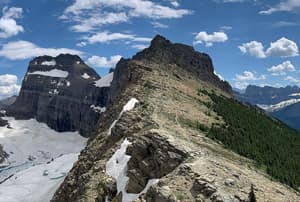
x=250 y=41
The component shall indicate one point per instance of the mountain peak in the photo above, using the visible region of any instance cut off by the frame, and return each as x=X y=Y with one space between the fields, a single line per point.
x=163 y=51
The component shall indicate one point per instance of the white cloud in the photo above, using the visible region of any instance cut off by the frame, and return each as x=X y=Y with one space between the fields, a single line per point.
x=104 y=62
x=210 y=39
x=8 y=24
x=243 y=80
x=90 y=15
x=224 y=28
x=248 y=76
x=175 y=4
x=139 y=46
x=8 y=85
x=19 y=50
x=159 y=25
x=280 y=24
x=254 y=48
x=107 y=37
x=282 y=68
x=285 y=5
x=292 y=79
x=280 y=48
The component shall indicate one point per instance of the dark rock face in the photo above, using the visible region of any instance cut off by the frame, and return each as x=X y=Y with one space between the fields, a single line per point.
x=64 y=97
x=3 y=122
x=7 y=101
x=162 y=51
x=152 y=158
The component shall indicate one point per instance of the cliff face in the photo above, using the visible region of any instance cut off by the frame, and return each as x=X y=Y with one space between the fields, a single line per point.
x=144 y=148
x=61 y=92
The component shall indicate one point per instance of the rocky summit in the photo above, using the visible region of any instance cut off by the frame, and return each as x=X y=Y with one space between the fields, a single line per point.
x=156 y=141
x=61 y=91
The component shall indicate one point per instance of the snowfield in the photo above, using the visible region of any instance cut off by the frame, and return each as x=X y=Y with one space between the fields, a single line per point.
x=105 y=81
x=49 y=63
x=278 y=106
x=39 y=159
x=52 y=73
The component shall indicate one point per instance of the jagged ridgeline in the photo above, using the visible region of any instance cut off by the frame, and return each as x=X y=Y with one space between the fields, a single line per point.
x=161 y=139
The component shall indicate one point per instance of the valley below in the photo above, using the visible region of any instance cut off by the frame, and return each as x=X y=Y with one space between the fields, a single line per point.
x=38 y=159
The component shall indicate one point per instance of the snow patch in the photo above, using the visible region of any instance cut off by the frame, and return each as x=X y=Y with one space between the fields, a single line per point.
x=105 y=81
x=278 y=106
x=49 y=63
x=98 y=109
x=219 y=76
x=85 y=76
x=52 y=73
x=53 y=92
x=116 y=167
x=294 y=95
x=37 y=183
x=129 y=106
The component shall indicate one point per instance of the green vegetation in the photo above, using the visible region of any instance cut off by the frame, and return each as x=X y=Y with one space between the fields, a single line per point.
x=255 y=135
x=193 y=124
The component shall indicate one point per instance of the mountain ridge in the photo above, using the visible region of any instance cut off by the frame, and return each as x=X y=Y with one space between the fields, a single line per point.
x=160 y=146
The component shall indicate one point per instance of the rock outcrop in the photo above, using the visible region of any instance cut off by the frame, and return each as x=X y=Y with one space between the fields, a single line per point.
x=61 y=92
x=144 y=151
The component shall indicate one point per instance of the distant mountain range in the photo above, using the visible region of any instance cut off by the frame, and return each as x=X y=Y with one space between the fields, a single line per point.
x=281 y=103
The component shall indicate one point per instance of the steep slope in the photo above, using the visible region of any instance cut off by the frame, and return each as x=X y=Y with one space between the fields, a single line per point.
x=152 y=145
x=281 y=103
x=61 y=92
x=289 y=115
x=7 y=101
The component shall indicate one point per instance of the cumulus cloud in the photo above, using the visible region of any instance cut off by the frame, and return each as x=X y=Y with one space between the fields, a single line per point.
x=8 y=24
x=254 y=48
x=243 y=80
x=87 y=16
x=8 y=85
x=282 y=68
x=19 y=50
x=292 y=79
x=104 y=62
x=285 y=5
x=248 y=76
x=280 y=48
x=107 y=37
x=210 y=39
